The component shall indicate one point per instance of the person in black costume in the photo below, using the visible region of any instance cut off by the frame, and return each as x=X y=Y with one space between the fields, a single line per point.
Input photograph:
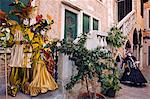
x=132 y=74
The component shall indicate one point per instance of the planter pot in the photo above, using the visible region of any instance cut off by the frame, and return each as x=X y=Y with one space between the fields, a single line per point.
x=87 y=96
x=110 y=92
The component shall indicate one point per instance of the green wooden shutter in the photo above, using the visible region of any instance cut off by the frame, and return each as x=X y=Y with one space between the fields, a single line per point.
x=70 y=32
x=4 y=6
x=121 y=9
x=142 y=8
x=124 y=7
x=95 y=24
x=86 y=23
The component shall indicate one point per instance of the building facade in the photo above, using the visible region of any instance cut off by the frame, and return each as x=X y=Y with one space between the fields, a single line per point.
x=73 y=17
x=130 y=21
x=146 y=35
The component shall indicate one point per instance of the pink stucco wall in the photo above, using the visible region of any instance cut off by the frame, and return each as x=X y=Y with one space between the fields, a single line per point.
x=53 y=8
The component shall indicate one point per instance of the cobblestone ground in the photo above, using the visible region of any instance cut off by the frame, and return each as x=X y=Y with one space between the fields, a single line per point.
x=127 y=92
x=146 y=72
x=133 y=93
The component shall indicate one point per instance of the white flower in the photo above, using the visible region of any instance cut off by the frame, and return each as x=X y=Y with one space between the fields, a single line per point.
x=33 y=3
x=3 y=30
x=44 y=45
x=48 y=22
x=3 y=23
x=12 y=87
x=34 y=29
x=26 y=21
x=76 y=40
x=43 y=31
x=58 y=44
x=7 y=36
x=7 y=30
x=3 y=38
x=32 y=21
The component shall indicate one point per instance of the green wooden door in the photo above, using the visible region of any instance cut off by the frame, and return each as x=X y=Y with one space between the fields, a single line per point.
x=86 y=23
x=70 y=32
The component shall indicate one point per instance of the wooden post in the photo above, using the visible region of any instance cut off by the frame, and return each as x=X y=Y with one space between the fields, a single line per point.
x=86 y=79
x=5 y=52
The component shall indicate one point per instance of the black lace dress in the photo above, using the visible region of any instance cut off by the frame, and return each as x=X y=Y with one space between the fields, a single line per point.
x=132 y=74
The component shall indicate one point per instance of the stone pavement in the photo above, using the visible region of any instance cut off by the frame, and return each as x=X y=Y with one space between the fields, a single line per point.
x=146 y=72
x=127 y=92
x=49 y=95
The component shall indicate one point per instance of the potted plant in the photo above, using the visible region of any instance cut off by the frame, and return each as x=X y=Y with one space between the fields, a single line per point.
x=110 y=76
x=115 y=37
x=110 y=80
x=86 y=61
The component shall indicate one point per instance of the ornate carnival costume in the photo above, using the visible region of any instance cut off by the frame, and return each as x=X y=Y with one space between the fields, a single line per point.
x=132 y=74
x=29 y=54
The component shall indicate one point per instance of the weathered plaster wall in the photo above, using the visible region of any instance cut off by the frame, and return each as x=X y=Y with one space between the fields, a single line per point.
x=146 y=42
x=90 y=7
x=93 y=8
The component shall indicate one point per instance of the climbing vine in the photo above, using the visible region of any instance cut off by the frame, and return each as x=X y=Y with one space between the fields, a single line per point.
x=86 y=61
x=116 y=37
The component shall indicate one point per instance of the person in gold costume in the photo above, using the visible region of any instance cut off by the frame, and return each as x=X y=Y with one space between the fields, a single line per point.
x=28 y=52
x=42 y=79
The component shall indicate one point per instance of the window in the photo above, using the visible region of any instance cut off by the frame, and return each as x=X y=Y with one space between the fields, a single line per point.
x=90 y=23
x=120 y=10
x=128 y=6
x=95 y=24
x=124 y=7
x=70 y=31
x=142 y=8
x=86 y=23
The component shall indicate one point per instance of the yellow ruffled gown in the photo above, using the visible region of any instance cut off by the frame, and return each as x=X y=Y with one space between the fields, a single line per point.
x=42 y=79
